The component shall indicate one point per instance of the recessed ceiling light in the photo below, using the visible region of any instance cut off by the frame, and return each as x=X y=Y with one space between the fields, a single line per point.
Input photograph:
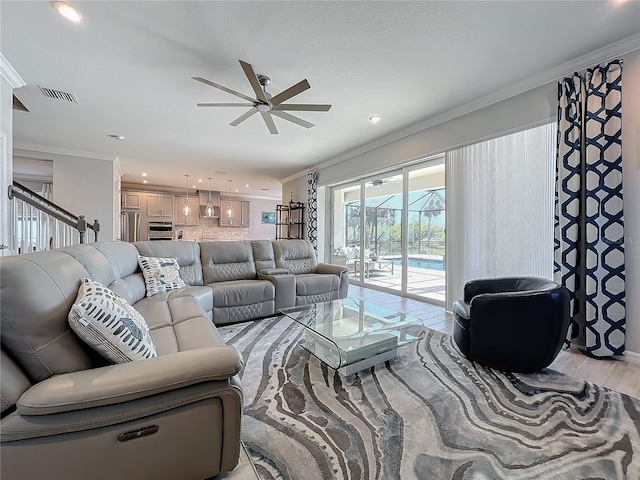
x=116 y=137
x=68 y=11
x=144 y=181
x=236 y=189
x=374 y=118
x=144 y=174
x=199 y=180
x=246 y=185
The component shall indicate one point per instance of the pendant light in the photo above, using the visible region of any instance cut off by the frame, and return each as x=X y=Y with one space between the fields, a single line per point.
x=229 y=209
x=187 y=208
x=209 y=209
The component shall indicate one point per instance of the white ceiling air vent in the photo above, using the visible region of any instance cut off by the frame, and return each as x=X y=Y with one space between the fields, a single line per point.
x=64 y=96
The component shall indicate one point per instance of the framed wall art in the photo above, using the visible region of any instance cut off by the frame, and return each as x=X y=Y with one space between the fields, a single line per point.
x=269 y=217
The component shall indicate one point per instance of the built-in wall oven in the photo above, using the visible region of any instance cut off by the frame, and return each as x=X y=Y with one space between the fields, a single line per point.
x=160 y=231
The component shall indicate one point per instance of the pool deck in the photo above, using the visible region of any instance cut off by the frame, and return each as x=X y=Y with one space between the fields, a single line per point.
x=424 y=282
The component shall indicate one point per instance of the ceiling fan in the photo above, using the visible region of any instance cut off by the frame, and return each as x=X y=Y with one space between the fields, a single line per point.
x=264 y=102
x=380 y=181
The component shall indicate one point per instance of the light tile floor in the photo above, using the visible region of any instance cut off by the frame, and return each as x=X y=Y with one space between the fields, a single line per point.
x=617 y=375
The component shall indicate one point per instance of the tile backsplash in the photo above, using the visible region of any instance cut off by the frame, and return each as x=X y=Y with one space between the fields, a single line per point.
x=208 y=229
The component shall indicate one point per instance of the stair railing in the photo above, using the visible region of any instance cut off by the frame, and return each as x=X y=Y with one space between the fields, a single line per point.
x=39 y=224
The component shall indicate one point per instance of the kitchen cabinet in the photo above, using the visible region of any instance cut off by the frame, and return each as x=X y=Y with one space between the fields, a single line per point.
x=245 y=218
x=130 y=200
x=203 y=195
x=159 y=205
x=241 y=213
x=193 y=218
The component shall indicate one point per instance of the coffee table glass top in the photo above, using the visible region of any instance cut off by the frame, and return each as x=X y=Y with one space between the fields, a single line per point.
x=344 y=332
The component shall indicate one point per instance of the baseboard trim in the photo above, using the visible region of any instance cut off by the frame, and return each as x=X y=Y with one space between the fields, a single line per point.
x=632 y=357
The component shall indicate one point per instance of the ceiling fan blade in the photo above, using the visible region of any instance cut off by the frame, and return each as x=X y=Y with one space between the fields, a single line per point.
x=269 y=121
x=243 y=117
x=292 y=118
x=224 y=104
x=290 y=92
x=224 y=89
x=303 y=107
x=253 y=80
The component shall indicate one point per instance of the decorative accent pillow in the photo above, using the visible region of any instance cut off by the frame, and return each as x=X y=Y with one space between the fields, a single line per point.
x=160 y=274
x=107 y=322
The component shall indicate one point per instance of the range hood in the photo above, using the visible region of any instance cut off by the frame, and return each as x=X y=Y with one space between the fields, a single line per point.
x=202 y=211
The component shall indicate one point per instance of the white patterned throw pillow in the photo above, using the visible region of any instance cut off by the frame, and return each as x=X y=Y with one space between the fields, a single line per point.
x=110 y=325
x=160 y=274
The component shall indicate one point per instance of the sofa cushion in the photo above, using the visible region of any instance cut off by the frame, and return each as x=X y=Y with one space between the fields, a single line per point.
x=182 y=324
x=14 y=382
x=297 y=256
x=187 y=253
x=223 y=261
x=241 y=300
x=153 y=310
x=109 y=324
x=160 y=274
x=316 y=288
x=263 y=255
x=241 y=292
x=314 y=284
x=37 y=290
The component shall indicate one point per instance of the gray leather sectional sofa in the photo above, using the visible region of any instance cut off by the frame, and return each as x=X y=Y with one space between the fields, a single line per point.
x=68 y=414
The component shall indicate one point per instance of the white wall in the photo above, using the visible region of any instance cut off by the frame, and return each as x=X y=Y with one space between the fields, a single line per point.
x=84 y=186
x=6 y=162
x=631 y=186
x=528 y=109
x=257 y=229
x=9 y=79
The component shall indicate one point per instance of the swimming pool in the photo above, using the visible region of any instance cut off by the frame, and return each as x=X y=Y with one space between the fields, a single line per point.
x=421 y=263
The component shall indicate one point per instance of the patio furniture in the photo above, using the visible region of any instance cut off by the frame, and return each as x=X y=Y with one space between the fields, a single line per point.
x=513 y=324
x=373 y=265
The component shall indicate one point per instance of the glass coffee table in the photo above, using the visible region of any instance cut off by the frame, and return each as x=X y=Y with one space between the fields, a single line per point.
x=350 y=335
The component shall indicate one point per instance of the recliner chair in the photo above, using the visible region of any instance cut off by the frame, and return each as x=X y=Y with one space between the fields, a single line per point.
x=515 y=324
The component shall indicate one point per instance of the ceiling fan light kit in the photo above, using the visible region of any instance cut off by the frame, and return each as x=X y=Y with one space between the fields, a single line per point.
x=264 y=103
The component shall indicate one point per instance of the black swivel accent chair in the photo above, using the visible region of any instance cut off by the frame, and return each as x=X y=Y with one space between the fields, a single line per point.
x=512 y=324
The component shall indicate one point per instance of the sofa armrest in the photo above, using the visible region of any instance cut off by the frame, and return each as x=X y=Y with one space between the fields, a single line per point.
x=285 y=286
x=326 y=268
x=128 y=381
x=340 y=271
x=274 y=271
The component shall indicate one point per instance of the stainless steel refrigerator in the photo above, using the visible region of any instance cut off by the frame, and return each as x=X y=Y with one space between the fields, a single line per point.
x=130 y=226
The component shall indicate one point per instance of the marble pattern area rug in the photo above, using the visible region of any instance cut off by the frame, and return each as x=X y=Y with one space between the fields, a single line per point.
x=428 y=414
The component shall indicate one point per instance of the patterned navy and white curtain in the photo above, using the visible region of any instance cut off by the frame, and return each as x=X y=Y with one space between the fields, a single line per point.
x=589 y=235
x=312 y=201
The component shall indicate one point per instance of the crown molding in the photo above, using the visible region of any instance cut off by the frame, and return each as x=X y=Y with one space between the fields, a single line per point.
x=27 y=177
x=622 y=47
x=117 y=167
x=44 y=152
x=9 y=74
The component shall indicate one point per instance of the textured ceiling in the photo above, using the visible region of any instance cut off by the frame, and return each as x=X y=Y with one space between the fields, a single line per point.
x=129 y=64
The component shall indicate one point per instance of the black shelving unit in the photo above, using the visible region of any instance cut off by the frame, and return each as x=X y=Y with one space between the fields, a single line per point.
x=290 y=221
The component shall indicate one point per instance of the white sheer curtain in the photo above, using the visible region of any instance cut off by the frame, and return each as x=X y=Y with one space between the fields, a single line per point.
x=500 y=208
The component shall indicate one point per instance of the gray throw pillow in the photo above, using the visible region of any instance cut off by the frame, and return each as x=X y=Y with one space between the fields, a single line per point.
x=110 y=325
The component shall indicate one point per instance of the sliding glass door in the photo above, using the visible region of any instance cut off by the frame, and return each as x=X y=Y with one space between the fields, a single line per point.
x=389 y=230
x=426 y=242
